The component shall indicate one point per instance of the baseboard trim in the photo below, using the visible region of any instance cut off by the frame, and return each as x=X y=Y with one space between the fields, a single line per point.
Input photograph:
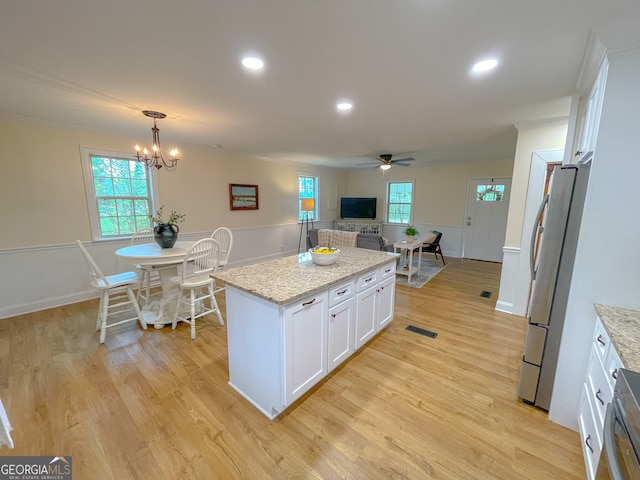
x=505 y=307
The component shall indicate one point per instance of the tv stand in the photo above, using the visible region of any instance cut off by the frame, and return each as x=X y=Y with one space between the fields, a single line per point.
x=360 y=225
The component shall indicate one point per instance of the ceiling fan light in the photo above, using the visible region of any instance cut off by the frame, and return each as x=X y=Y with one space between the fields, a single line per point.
x=344 y=106
x=385 y=166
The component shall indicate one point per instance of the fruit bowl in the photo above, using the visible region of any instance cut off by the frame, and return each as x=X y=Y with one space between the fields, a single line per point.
x=324 y=255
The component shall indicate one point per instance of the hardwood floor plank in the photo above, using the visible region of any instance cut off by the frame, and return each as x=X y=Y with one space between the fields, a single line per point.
x=155 y=404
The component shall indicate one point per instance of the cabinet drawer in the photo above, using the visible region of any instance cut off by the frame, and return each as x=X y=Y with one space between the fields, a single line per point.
x=367 y=280
x=589 y=435
x=600 y=391
x=341 y=292
x=612 y=365
x=601 y=340
x=387 y=271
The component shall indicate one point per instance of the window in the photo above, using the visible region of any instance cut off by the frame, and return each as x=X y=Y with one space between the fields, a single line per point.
x=307 y=198
x=119 y=193
x=399 y=202
x=490 y=193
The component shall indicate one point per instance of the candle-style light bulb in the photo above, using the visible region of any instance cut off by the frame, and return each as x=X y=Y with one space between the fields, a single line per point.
x=145 y=151
x=137 y=147
x=155 y=147
x=174 y=152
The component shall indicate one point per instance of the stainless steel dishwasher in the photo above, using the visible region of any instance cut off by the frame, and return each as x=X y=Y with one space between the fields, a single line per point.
x=620 y=457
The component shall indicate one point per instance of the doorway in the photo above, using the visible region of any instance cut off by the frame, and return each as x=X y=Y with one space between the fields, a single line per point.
x=485 y=222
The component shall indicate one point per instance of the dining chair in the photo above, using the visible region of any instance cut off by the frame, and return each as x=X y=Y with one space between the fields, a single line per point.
x=196 y=284
x=144 y=235
x=118 y=288
x=224 y=237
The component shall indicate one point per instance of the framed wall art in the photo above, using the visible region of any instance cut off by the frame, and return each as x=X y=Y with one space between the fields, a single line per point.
x=243 y=197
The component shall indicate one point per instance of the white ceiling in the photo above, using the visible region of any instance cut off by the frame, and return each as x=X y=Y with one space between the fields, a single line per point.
x=405 y=64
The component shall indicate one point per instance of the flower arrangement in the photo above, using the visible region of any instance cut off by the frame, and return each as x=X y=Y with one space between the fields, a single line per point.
x=174 y=217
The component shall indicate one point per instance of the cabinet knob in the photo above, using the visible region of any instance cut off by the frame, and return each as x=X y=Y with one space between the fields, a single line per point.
x=614 y=374
x=578 y=153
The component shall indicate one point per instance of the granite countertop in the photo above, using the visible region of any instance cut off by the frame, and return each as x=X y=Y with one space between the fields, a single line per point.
x=288 y=279
x=623 y=327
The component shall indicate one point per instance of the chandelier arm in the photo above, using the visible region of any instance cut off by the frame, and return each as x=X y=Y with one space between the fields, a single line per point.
x=156 y=159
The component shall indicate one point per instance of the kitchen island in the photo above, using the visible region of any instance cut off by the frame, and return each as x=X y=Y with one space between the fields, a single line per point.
x=290 y=322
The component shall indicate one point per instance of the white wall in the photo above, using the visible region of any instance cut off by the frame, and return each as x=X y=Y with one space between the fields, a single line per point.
x=46 y=209
x=533 y=140
x=440 y=198
x=607 y=268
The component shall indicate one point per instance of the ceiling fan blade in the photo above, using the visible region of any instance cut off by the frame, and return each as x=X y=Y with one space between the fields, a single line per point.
x=368 y=163
x=397 y=164
x=408 y=159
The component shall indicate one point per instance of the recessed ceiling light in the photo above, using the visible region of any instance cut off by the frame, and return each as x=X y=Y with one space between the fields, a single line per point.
x=485 y=65
x=253 y=63
x=344 y=106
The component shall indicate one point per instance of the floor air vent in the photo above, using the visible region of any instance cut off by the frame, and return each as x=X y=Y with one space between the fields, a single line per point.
x=421 y=331
x=485 y=294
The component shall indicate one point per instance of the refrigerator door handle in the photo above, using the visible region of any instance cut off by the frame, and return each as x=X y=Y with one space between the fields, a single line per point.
x=534 y=234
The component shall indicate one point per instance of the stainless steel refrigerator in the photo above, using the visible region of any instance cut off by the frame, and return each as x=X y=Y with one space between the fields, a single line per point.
x=555 y=241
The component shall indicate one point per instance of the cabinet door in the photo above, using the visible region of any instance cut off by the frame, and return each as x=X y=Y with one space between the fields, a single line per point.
x=305 y=340
x=341 y=332
x=366 y=315
x=386 y=297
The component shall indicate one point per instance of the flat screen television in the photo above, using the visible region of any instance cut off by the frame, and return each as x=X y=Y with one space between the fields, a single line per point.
x=358 y=207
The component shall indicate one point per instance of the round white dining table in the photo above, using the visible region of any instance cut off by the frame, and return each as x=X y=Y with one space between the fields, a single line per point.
x=166 y=260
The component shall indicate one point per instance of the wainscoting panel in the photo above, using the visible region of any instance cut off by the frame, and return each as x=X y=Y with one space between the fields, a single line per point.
x=37 y=278
x=508 y=277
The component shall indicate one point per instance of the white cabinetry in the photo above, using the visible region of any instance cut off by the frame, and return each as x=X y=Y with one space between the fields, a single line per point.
x=278 y=352
x=374 y=302
x=588 y=118
x=597 y=393
x=305 y=339
x=342 y=314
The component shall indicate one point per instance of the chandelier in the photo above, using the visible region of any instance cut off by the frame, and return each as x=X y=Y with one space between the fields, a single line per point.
x=155 y=158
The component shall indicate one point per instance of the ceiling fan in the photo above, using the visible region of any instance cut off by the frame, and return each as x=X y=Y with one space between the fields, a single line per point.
x=386 y=162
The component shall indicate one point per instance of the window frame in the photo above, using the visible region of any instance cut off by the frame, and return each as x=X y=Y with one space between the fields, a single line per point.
x=86 y=153
x=316 y=183
x=388 y=204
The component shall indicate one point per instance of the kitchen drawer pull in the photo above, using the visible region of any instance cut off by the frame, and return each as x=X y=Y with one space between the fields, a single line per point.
x=388 y=270
x=342 y=292
x=598 y=396
x=586 y=442
x=600 y=341
x=309 y=302
x=614 y=374
x=333 y=315
x=368 y=280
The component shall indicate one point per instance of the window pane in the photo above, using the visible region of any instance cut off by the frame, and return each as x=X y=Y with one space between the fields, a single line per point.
x=122 y=195
x=307 y=188
x=399 y=202
x=104 y=186
x=107 y=208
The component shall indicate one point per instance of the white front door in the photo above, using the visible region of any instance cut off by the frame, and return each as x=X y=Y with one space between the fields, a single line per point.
x=486 y=218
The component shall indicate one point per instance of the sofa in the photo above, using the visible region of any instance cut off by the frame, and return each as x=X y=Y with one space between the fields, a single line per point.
x=371 y=241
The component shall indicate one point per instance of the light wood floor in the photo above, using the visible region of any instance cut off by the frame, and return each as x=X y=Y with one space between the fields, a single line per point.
x=156 y=405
